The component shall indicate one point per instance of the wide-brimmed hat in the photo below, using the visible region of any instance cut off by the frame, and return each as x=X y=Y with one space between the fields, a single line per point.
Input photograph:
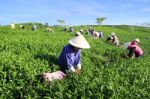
x=79 y=41
x=137 y=40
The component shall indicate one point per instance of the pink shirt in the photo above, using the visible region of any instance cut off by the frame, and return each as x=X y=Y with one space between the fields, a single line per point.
x=58 y=75
x=136 y=49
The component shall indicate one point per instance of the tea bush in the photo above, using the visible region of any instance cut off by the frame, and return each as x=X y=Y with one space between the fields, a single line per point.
x=25 y=54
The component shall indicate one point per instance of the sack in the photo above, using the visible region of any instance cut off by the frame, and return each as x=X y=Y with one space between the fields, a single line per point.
x=126 y=45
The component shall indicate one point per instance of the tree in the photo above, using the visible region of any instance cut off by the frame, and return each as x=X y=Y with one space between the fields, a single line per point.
x=100 y=20
x=61 y=22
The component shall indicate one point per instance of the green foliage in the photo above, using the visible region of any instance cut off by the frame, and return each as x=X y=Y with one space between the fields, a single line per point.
x=25 y=54
x=100 y=20
x=61 y=22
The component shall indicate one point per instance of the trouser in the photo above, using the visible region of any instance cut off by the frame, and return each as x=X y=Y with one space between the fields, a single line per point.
x=130 y=54
x=140 y=56
x=108 y=39
x=63 y=69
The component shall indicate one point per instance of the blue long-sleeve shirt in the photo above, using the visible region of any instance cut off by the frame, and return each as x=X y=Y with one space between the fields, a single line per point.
x=69 y=58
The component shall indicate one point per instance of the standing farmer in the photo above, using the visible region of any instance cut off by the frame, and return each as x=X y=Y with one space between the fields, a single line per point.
x=34 y=27
x=101 y=34
x=71 y=29
x=70 y=57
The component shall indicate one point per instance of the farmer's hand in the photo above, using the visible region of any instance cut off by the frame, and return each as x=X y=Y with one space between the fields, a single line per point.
x=79 y=66
x=77 y=70
x=72 y=69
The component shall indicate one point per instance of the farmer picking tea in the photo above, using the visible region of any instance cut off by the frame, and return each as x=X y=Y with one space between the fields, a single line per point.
x=113 y=38
x=134 y=49
x=70 y=57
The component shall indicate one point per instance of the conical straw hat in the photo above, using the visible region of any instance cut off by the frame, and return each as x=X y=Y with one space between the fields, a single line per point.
x=79 y=41
x=78 y=33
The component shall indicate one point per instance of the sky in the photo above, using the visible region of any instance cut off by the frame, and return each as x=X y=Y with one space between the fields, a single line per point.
x=75 y=12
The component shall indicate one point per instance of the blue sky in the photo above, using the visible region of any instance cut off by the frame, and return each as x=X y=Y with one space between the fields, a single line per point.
x=75 y=12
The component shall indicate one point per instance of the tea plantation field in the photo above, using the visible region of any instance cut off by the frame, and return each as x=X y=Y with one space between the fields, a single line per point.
x=105 y=74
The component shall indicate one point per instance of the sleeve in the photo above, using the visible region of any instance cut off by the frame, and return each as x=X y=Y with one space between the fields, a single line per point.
x=79 y=66
x=131 y=47
x=70 y=60
x=72 y=69
x=78 y=59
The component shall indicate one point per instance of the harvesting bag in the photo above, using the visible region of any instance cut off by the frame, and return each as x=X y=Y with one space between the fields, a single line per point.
x=58 y=75
x=126 y=45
